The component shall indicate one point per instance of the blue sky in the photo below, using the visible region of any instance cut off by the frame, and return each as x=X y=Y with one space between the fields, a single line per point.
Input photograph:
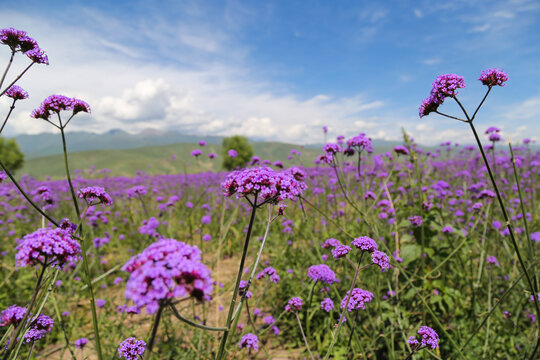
x=280 y=70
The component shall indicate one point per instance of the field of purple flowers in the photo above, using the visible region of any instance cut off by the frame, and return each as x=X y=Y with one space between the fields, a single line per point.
x=411 y=254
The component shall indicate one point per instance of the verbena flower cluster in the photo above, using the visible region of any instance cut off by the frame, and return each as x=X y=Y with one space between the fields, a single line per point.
x=444 y=86
x=40 y=326
x=57 y=103
x=327 y=304
x=430 y=338
x=359 y=298
x=19 y=41
x=268 y=184
x=47 y=247
x=165 y=270
x=249 y=341
x=271 y=273
x=321 y=273
x=16 y=93
x=131 y=349
x=365 y=243
x=493 y=77
x=12 y=315
x=381 y=259
x=294 y=304
x=94 y=194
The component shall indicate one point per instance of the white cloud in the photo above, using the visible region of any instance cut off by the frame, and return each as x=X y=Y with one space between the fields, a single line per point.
x=418 y=13
x=431 y=61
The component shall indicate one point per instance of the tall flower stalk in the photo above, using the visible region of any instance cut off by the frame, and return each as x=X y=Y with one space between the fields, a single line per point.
x=259 y=186
x=446 y=86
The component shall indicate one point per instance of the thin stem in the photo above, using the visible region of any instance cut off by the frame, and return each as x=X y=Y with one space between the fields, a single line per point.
x=523 y=213
x=7 y=117
x=449 y=116
x=352 y=332
x=7 y=68
x=23 y=193
x=19 y=327
x=223 y=343
x=154 y=331
x=31 y=350
x=481 y=103
x=340 y=319
x=17 y=78
x=84 y=250
x=303 y=335
x=506 y=219
x=308 y=307
x=66 y=165
x=177 y=314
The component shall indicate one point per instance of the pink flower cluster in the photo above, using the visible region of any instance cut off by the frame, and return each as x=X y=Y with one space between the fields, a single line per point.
x=165 y=270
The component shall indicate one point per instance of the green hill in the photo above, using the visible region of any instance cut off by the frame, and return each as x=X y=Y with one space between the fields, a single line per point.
x=167 y=159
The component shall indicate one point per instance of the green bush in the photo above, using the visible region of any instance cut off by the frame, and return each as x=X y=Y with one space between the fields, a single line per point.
x=242 y=147
x=10 y=154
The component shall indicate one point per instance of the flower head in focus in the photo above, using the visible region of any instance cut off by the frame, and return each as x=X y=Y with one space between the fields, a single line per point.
x=493 y=77
x=16 y=93
x=131 y=349
x=321 y=273
x=94 y=193
x=47 y=247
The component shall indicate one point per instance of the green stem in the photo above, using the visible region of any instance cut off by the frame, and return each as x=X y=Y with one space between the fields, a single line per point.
x=23 y=193
x=84 y=250
x=7 y=117
x=7 y=68
x=22 y=324
x=308 y=307
x=506 y=218
x=223 y=343
x=303 y=335
x=16 y=79
x=340 y=319
x=154 y=331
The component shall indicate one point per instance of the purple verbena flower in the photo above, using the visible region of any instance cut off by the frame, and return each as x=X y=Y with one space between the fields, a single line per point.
x=429 y=105
x=400 y=149
x=12 y=315
x=358 y=300
x=340 y=251
x=196 y=153
x=429 y=337
x=269 y=185
x=40 y=326
x=328 y=243
x=493 y=260
x=365 y=243
x=80 y=343
x=16 y=93
x=327 y=304
x=232 y=153
x=131 y=349
x=165 y=270
x=493 y=77
x=381 y=259
x=447 y=85
x=294 y=304
x=38 y=56
x=416 y=220
x=249 y=341
x=47 y=247
x=321 y=273
x=95 y=195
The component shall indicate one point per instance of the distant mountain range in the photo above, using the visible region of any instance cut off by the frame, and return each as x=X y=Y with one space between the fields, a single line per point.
x=45 y=144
